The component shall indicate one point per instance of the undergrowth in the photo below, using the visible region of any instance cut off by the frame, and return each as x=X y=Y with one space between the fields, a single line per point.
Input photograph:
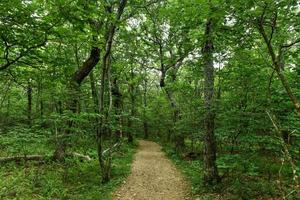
x=72 y=179
x=244 y=176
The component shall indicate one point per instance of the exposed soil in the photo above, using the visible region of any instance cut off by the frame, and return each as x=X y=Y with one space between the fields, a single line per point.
x=153 y=177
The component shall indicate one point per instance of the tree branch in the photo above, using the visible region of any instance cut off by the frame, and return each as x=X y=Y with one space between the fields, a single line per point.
x=290 y=44
x=21 y=55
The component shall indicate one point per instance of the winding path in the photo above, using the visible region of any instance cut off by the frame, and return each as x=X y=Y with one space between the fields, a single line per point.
x=153 y=177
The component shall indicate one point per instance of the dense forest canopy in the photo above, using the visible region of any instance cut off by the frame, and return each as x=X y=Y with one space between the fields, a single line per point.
x=215 y=82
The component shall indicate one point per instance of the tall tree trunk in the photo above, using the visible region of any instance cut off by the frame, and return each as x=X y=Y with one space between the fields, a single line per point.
x=146 y=131
x=94 y=93
x=105 y=165
x=40 y=100
x=211 y=176
x=178 y=137
x=117 y=102
x=41 y=107
x=29 y=103
x=95 y=98
x=132 y=109
x=100 y=130
x=145 y=123
x=7 y=114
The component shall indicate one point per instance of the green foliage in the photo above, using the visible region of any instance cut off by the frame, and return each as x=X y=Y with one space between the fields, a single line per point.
x=44 y=43
x=72 y=180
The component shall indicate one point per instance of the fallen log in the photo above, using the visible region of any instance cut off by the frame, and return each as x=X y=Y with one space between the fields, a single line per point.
x=41 y=157
x=22 y=158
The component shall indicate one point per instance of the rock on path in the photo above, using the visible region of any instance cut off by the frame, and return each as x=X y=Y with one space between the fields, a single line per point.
x=153 y=177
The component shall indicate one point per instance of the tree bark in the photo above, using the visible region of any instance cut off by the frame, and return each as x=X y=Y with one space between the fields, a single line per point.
x=21 y=158
x=105 y=164
x=117 y=103
x=74 y=85
x=132 y=109
x=277 y=61
x=39 y=100
x=211 y=176
x=145 y=103
x=94 y=93
x=40 y=158
x=29 y=103
x=178 y=138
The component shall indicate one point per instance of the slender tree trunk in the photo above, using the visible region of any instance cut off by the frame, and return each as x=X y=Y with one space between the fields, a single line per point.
x=211 y=176
x=59 y=108
x=95 y=98
x=29 y=103
x=94 y=93
x=40 y=101
x=178 y=137
x=105 y=164
x=41 y=107
x=146 y=131
x=7 y=114
x=145 y=123
x=132 y=109
x=117 y=102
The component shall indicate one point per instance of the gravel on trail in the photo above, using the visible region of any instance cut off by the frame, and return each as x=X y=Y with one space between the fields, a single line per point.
x=153 y=177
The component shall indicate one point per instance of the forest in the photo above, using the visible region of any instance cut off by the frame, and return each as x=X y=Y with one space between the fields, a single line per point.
x=149 y=99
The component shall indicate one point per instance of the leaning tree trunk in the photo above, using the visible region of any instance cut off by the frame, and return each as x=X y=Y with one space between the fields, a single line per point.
x=73 y=88
x=209 y=152
x=278 y=65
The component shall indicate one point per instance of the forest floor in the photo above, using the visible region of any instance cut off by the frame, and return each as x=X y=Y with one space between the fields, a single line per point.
x=153 y=177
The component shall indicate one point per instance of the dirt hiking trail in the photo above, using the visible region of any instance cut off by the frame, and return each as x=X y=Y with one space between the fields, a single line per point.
x=153 y=177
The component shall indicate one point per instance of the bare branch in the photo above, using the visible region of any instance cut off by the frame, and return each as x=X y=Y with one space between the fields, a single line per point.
x=290 y=44
x=273 y=26
x=22 y=54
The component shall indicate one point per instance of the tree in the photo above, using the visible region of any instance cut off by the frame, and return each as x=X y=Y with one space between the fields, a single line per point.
x=105 y=76
x=277 y=58
x=209 y=154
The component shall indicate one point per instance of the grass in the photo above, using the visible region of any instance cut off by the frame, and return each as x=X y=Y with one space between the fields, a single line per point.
x=72 y=179
x=251 y=176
